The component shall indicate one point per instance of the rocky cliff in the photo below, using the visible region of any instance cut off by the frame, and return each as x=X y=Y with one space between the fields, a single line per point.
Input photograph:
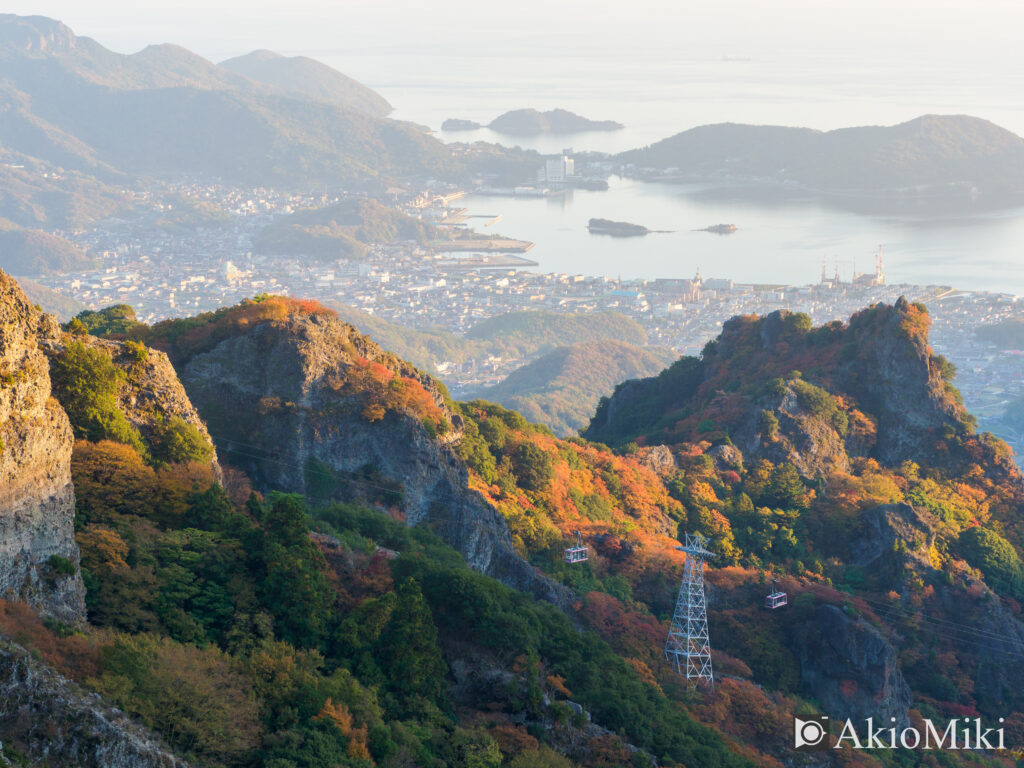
x=816 y=397
x=849 y=668
x=45 y=719
x=38 y=553
x=306 y=404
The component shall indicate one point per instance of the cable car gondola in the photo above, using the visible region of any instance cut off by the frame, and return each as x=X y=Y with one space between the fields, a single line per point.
x=776 y=599
x=578 y=553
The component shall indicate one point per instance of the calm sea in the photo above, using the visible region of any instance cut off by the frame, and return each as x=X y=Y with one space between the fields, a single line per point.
x=657 y=93
x=777 y=243
x=659 y=67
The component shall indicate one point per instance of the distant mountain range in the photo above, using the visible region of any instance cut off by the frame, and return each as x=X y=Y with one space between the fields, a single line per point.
x=933 y=155
x=70 y=102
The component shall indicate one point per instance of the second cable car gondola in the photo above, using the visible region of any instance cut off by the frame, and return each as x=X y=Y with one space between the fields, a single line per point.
x=776 y=598
x=577 y=553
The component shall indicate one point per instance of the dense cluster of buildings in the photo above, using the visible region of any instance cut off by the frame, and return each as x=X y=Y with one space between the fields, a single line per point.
x=165 y=273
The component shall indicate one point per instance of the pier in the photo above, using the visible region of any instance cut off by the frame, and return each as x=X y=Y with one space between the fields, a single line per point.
x=484 y=261
x=486 y=244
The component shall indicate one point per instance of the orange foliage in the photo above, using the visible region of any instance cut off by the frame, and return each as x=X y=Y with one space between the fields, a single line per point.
x=206 y=330
x=557 y=684
x=339 y=716
x=643 y=671
x=607 y=750
x=111 y=478
x=513 y=739
x=383 y=390
x=745 y=711
x=631 y=633
x=102 y=549
x=74 y=655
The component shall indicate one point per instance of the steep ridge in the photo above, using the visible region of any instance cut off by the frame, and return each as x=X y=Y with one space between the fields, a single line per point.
x=150 y=395
x=903 y=573
x=305 y=404
x=38 y=554
x=780 y=389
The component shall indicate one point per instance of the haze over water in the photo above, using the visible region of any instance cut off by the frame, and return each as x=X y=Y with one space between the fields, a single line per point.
x=775 y=243
x=658 y=67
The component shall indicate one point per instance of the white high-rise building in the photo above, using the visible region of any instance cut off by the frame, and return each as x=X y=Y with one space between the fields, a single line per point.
x=559 y=169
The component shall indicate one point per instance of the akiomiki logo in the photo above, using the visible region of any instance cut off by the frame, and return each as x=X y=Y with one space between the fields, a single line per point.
x=959 y=734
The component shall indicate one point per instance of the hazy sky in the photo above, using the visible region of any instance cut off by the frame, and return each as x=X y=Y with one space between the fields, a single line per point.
x=656 y=65
x=975 y=31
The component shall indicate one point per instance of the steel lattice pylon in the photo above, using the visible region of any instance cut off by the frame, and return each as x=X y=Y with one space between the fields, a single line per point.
x=688 y=646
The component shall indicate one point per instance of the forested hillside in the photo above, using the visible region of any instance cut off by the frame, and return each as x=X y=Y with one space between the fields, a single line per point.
x=317 y=592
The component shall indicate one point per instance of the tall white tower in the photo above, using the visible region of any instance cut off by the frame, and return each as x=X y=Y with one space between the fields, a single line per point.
x=688 y=646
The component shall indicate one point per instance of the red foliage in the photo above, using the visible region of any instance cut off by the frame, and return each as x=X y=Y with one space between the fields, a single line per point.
x=384 y=390
x=75 y=655
x=631 y=633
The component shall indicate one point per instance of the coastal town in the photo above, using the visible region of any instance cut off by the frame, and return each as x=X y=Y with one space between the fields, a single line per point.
x=175 y=271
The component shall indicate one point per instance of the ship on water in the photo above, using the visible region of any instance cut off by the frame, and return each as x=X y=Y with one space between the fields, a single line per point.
x=719 y=229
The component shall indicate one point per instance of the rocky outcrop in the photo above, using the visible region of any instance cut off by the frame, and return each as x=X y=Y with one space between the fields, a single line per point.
x=150 y=393
x=849 y=668
x=50 y=721
x=38 y=553
x=894 y=532
x=659 y=460
x=873 y=388
x=891 y=370
x=278 y=404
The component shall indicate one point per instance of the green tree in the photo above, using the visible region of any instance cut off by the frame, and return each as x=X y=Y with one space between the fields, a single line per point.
x=294 y=587
x=785 y=489
x=533 y=466
x=118 y=319
x=86 y=382
x=177 y=441
x=995 y=557
x=199 y=703
x=408 y=652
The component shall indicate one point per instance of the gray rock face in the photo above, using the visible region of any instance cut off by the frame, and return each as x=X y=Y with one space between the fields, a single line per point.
x=726 y=457
x=37 y=501
x=891 y=526
x=904 y=389
x=271 y=399
x=53 y=722
x=850 y=668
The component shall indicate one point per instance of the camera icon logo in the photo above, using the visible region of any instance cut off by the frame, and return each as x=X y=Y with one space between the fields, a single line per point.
x=810 y=734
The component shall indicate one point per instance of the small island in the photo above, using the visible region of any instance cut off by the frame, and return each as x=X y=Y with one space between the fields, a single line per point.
x=719 y=229
x=458 y=124
x=616 y=228
x=530 y=122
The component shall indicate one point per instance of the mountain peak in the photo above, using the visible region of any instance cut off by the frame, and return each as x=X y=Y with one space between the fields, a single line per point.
x=308 y=77
x=35 y=34
x=812 y=382
x=260 y=54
